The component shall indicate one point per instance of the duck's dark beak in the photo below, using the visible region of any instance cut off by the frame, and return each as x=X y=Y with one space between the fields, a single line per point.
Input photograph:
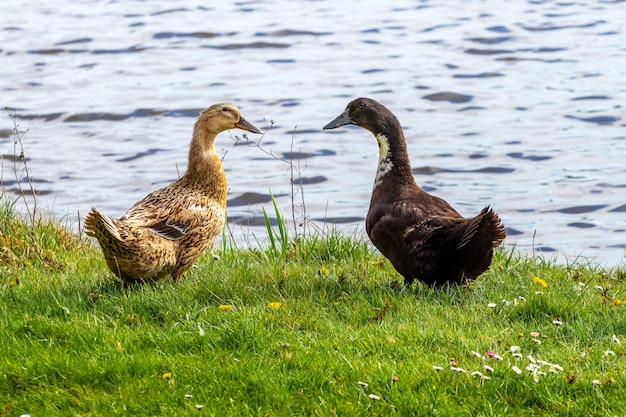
x=341 y=120
x=243 y=124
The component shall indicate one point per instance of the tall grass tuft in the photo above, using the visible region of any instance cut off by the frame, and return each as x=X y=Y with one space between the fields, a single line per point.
x=34 y=241
x=279 y=236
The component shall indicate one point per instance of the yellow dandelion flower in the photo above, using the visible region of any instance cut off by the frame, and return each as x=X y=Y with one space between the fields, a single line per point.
x=378 y=262
x=540 y=282
x=225 y=307
x=167 y=375
x=324 y=271
x=617 y=302
x=274 y=305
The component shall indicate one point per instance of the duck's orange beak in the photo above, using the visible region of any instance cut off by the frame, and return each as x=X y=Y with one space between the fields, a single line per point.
x=243 y=124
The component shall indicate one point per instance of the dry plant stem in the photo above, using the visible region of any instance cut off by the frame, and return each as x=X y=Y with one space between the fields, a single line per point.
x=81 y=230
x=18 y=145
x=244 y=140
x=293 y=206
x=2 y=189
x=293 y=191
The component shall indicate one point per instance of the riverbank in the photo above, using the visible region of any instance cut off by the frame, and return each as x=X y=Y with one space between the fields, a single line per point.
x=313 y=326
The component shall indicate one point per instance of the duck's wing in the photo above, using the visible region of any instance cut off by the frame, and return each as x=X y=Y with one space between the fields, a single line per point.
x=169 y=229
x=171 y=217
x=416 y=214
x=424 y=228
x=408 y=238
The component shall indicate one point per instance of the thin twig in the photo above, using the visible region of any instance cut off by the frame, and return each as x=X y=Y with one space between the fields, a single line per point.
x=25 y=173
x=80 y=229
x=293 y=205
x=297 y=168
x=301 y=186
x=2 y=188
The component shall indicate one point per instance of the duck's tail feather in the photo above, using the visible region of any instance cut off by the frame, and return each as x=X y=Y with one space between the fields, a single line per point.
x=97 y=224
x=485 y=226
x=499 y=233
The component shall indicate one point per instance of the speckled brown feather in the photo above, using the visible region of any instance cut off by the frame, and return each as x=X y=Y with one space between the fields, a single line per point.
x=164 y=233
x=422 y=235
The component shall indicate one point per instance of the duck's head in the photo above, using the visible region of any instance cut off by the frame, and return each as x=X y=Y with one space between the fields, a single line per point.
x=224 y=116
x=363 y=112
x=386 y=128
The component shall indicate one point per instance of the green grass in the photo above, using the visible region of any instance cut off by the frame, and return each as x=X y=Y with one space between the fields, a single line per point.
x=342 y=341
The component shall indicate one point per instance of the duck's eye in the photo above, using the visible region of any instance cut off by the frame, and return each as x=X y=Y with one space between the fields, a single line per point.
x=361 y=105
x=225 y=109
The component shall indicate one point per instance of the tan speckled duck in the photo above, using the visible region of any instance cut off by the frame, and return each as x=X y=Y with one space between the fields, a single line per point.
x=422 y=235
x=166 y=231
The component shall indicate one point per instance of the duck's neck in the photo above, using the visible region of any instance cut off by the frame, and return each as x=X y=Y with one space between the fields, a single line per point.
x=393 y=160
x=205 y=164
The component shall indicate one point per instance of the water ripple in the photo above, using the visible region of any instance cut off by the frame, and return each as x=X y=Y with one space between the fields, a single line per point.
x=582 y=209
x=169 y=11
x=311 y=180
x=450 y=97
x=591 y=98
x=340 y=220
x=291 y=32
x=581 y=225
x=475 y=51
x=74 y=41
x=251 y=198
x=169 y=35
x=620 y=209
x=139 y=155
x=547 y=61
x=550 y=26
x=292 y=156
x=480 y=75
x=116 y=117
x=492 y=40
x=599 y=120
x=428 y=170
x=47 y=117
x=499 y=29
x=132 y=49
x=252 y=45
x=534 y=158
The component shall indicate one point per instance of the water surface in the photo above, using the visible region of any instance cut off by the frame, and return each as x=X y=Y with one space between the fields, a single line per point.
x=514 y=105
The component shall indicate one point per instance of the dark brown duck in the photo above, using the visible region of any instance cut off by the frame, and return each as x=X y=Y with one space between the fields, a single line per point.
x=421 y=234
